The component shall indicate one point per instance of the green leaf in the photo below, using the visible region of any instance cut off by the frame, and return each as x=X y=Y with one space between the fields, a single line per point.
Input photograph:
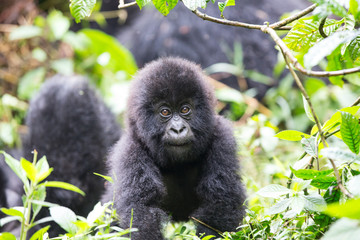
x=279 y=207
x=121 y=58
x=12 y=212
x=335 y=119
x=64 y=217
x=297 y=204
x=58 y=23
x=312 y=85
x=142 y=3
x=328 y=7
x=308 y=110
x=327 y=46
x=308 y=145
x=305 y=33
x=341 y=155
x=43 y=169
x=229 y=95
x=354 y=9
x=29 y=169
x=349 y=209
x=323 y=182
x=65 y=66
x=7 y=236
x=195 y=4
x=273 y=191
x=308 y=174
x=315 y=203
x=344 y=229
x=107 y=178
x=38 y=235
x=39 y=195
x=24 y=32
x=81 y=8
x=62 y=185
x=223 y=5
x=291 y=135
x=335 y=63
x=350 y=131
x=31 y=82
x=16 y=168
x=165 y=6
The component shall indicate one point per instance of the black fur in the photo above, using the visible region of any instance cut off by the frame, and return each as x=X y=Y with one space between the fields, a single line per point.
x=183 y=34
x=69 y=123
x=156 y=183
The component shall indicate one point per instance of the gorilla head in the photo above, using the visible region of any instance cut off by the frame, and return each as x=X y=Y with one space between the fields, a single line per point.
x=171 y=100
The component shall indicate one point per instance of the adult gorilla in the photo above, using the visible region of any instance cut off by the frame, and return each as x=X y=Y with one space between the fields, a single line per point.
x=185 y=35
x=72 y=127
x=177 y=157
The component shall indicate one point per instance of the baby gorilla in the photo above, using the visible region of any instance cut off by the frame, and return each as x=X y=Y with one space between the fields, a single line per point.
x=177 y=157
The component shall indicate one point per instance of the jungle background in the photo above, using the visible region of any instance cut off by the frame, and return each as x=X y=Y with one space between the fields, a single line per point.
x=289 y=82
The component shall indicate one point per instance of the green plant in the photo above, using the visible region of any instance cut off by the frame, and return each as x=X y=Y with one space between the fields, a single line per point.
x=33 y=175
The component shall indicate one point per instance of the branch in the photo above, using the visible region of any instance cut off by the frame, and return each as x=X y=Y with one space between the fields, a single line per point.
x=125 y=5
x=292 y=18
x=270 y=29
x=206 y=225
x=226 y=22
x=321 y=27
x=297 y=65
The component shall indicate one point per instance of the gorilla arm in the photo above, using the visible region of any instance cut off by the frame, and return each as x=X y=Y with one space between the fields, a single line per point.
x=220 y=190
x=138 y=187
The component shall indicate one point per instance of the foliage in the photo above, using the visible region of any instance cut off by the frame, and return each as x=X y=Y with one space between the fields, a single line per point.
x=33 y=175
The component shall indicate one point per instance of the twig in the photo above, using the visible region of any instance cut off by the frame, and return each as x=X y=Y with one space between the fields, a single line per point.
x=321 y=27
x=297 y=65
x=270 y=29
x=208 y=226
x=226 y=22
x=125 y=5
x=292 y=18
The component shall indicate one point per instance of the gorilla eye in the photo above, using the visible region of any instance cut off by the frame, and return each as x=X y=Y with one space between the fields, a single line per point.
x=185 y=110
x=165 y=112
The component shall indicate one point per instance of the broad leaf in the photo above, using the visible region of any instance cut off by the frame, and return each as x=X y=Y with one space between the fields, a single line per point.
x=297 y=204
x=315 y=203
x=344 y=229
x=341 y=155
x=308 y=110
x=81 y=8
x=323 y=182
x=279 y=207
x=308 y=145
x=291 y=135
x=350 y=131
x=308 y=174
x=164 y=6
x=142 y=3
x=194 y=4
x=24 y=32
x=16 y=168
x=62 y=185
x=349 y=209
x=327 y=46
x=274 y=191
x=64 y=217
x=29 y=169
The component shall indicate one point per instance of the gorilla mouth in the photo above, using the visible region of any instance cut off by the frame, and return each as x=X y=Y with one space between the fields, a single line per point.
x=178 y=143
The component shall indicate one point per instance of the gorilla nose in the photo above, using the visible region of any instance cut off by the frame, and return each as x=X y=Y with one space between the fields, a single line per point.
x=178 y=130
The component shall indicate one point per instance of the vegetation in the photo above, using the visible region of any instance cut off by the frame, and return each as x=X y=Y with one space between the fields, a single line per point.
x=301 y=161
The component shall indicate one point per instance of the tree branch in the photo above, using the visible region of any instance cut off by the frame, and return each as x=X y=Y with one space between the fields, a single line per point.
x=292 y=18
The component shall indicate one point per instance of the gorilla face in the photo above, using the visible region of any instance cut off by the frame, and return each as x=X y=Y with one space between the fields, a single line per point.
x=171 y=110
x=178 y=137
